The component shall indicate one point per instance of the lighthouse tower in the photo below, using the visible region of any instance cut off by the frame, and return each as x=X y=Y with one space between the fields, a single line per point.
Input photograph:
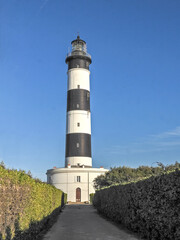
x=78 y=130
x=76 y=178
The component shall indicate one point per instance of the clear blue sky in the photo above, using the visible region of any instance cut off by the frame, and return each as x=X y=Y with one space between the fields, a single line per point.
x=135 y=80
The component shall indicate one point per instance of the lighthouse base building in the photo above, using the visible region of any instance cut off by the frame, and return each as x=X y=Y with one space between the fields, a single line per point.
x=76 y=182
x=76 y=179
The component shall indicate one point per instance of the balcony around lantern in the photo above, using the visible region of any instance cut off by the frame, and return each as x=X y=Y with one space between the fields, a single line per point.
x=78 y=53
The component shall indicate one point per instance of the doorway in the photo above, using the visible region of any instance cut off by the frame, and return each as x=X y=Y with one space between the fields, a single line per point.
x=78 y=195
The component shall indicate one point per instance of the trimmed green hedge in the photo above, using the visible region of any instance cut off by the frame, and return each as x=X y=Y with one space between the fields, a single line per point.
x=91 y=197
x=150 y=207
x=25 y=200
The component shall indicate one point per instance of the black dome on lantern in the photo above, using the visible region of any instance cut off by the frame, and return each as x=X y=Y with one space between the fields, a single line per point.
x=78 y=40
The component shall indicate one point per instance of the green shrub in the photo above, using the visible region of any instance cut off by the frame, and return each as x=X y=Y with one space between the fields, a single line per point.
x=91 y=197
x=149 y=207
x=26 y=199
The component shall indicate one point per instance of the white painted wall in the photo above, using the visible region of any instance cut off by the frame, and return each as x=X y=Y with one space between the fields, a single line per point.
x=78 y=121
x=78 y=76
x=66 y=180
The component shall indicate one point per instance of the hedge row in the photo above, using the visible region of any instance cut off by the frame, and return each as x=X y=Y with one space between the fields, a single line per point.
x=25 y=201
x=91 y=197
x=150 y=207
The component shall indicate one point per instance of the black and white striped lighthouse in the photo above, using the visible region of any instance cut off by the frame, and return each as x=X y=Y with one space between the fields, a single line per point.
x=76 y=179
x=78 y=125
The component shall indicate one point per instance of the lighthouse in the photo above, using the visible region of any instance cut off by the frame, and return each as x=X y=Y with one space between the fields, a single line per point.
x=78 y=126
x=76 y=178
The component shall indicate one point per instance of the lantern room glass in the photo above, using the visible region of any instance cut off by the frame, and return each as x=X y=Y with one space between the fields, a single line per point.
x=79 y=46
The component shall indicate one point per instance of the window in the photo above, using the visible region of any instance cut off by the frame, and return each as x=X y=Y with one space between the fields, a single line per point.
x=78 y=86
x=77 y=145
x=77 y=105
x=78 y=179
x=77 y=66
x=78 y=124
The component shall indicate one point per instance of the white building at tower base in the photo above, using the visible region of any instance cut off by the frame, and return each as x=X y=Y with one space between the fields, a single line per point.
x=76 y=182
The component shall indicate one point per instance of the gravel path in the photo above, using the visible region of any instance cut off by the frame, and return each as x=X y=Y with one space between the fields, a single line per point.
x=82 y=222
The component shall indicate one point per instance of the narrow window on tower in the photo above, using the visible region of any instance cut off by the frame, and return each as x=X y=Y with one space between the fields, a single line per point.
x=78 y=86
x=78 y=124
x=77 y=145
x=77 y=105
x=78 y=179
x=88 y=95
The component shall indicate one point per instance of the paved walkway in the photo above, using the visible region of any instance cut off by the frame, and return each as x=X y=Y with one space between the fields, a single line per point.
x=82 y=222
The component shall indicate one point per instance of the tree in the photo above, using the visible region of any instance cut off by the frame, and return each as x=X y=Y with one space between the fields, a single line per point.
x=2 y=164
x=120 y=175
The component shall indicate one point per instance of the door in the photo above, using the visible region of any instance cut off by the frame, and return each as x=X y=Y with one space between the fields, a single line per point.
x=78 y=195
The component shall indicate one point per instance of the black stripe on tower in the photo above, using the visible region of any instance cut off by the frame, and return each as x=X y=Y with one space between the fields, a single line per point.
x=78 y=61
x=78 y=144
x=78 y=99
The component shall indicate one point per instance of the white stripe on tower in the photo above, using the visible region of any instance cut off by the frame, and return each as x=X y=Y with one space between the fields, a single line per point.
x=78 y=78
x=78 y=122
x=78 y=125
